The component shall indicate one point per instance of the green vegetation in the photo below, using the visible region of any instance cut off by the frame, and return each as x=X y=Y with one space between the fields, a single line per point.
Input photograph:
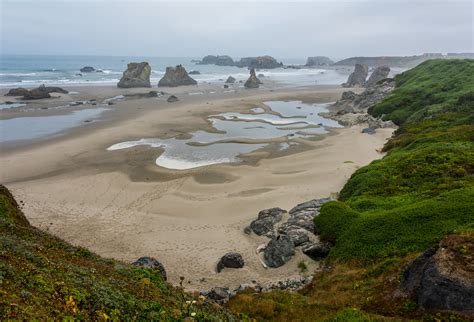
x=394 y=208
x=43 y=277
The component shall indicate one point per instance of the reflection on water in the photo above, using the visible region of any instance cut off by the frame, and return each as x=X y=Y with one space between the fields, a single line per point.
x=239 y=133
x=26 y=128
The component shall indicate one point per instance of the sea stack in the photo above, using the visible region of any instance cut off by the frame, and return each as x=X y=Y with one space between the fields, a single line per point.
x=358 y=76
x=253 y=81
x=377 y=75
x=176 y=76
x=136 y=75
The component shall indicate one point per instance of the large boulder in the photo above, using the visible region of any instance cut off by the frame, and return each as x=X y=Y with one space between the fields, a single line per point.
x=253 y=81
x=279 y=251
x=358 y=76
x=43 y=92
x=219 y=295
x=19 y=91
x=136 y=75
x=260 y=62
x=87 y=69
x=176 y=76
x=297 y=235
x=443 y=278
x=172 y=99
x=316 y=249
x=266 y=220
x=220 y=60
x=231 y=260
x=150 y=262
x=319 y=61
x=377 y=75
x=230 y=80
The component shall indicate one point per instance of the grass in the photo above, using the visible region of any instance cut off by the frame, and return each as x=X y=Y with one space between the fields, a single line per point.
x=43 y=277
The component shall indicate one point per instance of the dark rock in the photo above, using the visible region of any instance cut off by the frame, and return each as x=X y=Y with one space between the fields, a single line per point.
x=261 y=75
x=218 y=294
x=302 y=215
x=377 y=75
x=226 y=86
x=220 y=60
x=319 y=61
x=36 y=94
x=316 y=250
x=368 y=130
x=247 y=230
x=278 y=251
x=266 y=220
x=172 y=99
x=231 y=260
x=136 y=75
x=176 y=76
x=87 y=69
x=358 y=76
x=443 y=278
x=297 y=235
x=262 y=62
x=150 y=262
x=79 y=74
x=194 y=72
x=230 y=80
x=20 y=91
x=253 y=81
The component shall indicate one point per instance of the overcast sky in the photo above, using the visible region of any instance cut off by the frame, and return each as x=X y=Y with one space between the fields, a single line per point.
x=238 y=28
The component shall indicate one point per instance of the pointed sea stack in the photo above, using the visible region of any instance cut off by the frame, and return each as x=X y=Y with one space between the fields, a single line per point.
x=176 y=76
x=377 y=75
x=358 y=76
x=253 y=81
x=136 y=75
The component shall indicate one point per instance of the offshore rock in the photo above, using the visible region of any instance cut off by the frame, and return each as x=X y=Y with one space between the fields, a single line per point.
x=377 y=75
x=176 y=76
x=253 y=81
x=358 y=76
x=136 y=75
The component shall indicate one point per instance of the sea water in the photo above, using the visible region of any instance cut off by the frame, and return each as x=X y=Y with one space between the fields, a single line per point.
x=238 y=133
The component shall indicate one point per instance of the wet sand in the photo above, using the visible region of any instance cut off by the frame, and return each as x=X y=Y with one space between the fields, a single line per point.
x=121 y=205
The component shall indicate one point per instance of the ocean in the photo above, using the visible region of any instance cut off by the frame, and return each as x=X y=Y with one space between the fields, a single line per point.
x=34 y=70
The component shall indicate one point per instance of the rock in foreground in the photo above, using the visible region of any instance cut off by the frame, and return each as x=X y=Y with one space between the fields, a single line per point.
x=266 y=220
x=150 y=262
x=253 y=81
x=230 y=260
x=278 y=251
x=358 y=76
x=43 y=92
x=377 y=75
x=20 y=91
x=176 y=76
x=443 y=278
x=136 y=75
x=172 y=99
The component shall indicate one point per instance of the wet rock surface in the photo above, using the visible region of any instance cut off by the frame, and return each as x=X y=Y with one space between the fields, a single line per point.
x=150 y=262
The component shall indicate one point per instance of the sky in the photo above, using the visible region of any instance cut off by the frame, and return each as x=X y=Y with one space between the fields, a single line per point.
x=284 y=29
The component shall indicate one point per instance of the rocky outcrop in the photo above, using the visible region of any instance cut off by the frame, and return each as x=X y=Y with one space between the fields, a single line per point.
x=172 y=99
x=358 y=76
x=220 y=60
x=278 y=251
x=231 y=260
x=260 y=62
x=352 y=108
x=136 y=75
x=176 y=76
x=87 y=69
x=150 y=262
x=253 y=81
x=443 y=278
x=377 y=75
x=43 y=92
x=316 y=249
x=266 y=221
x=19 y=91
x=219 y=295
x=194 y=72
x=230 y=80
x=319 y=61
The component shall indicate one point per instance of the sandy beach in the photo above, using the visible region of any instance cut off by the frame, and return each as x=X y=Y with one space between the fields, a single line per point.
x=121 y=205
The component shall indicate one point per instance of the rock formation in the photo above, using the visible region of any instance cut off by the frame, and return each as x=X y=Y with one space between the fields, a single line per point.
x=264 y=62
x=231 y=260
x=230 y=80
x=377 y=75
x=43 y=92
x=136 y=75
x=442 y=278
x=266 y=220
x=194 y=72
x=278 y=251
x=220 y=60
x=176 y=76
x=20 y=91
x=150 y=262
x=172 y=99
x=253 y=81
x=358 y=76
x=87 y=69
x=319 y=61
